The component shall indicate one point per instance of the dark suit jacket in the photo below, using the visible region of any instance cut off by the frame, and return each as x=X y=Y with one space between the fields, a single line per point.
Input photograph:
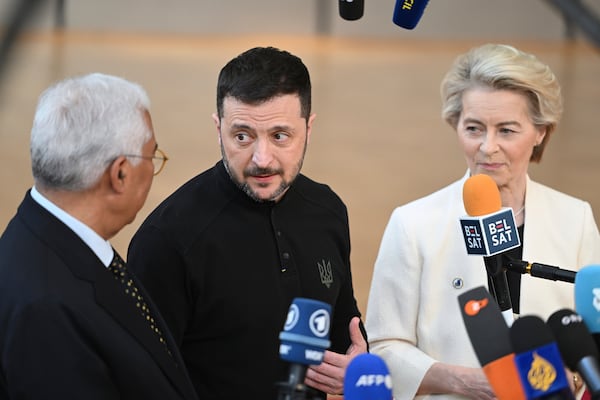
x=67 y=329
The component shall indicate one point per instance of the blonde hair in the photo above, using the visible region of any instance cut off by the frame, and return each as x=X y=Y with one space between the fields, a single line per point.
x=503 y=67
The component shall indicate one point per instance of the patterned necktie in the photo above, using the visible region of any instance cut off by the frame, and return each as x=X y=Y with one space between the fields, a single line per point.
x=118 y=268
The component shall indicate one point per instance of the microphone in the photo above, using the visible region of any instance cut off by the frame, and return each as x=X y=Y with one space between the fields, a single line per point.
x=577 y=347
x=587 y=299
x=367 y=378
x=538 y=360
x=304 y=339
x=541 y=270
x=351 y=10
x=489 y=337
x=489 y=230
x=407 y=13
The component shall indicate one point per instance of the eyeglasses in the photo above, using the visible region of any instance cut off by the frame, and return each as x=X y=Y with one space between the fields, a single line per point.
x=159 y=159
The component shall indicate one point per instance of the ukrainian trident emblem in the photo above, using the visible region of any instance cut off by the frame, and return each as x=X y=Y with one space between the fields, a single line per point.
x=326 y=273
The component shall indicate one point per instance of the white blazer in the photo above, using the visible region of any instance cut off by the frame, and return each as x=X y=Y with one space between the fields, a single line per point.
x=413 y=318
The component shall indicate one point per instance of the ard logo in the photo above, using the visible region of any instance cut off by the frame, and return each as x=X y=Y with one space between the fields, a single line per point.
x=326 y=273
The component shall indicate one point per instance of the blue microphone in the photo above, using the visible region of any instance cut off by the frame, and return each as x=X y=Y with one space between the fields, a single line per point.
x=587 y=299
x=304 y=339
x=367 y=378
x=407 y=13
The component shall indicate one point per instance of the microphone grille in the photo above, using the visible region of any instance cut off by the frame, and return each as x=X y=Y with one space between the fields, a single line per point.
x=367 y=377
x=305 y=335
x=529 y=332
x=351 y=10
x=481 y=195
x=572 y=336
x=587 y=296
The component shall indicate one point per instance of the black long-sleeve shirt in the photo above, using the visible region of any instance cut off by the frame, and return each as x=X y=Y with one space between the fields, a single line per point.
x=223 y=270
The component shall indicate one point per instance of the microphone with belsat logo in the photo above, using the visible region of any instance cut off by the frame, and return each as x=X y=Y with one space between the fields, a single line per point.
x=489 y=336
x=577 y=347
x=367 y=378
x=538 y=360
x=489 y=230
x=587 y=299
x=304 y=339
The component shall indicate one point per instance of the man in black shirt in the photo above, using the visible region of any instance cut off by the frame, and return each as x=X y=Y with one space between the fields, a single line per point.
x=224 y=256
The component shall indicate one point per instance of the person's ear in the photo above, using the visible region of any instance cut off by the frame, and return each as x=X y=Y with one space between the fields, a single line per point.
x=217 y=122
x=542 y=131
x=309 y=124
x=117 y=173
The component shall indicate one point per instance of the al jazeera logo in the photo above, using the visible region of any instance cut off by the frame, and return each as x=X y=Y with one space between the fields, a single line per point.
x=541 y=371
x=541 y=374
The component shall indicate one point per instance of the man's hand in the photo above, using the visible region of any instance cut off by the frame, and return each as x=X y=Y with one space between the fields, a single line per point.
x=329 y=375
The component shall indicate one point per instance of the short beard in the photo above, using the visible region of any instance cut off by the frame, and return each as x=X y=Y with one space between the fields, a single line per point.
x=244 y=187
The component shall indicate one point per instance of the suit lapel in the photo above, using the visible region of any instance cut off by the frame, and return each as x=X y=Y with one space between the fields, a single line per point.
x=84 y=264
x=112 y=298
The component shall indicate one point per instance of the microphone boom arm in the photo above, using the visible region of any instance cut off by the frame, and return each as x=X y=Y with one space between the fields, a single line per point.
x=541 y=270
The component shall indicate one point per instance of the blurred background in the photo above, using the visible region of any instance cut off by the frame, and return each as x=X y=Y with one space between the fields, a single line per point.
x=378 y=139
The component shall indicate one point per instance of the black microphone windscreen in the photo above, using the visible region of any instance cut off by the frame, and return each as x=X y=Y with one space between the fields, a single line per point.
x=351 y=10
x=572 y=336
x=529 y=332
